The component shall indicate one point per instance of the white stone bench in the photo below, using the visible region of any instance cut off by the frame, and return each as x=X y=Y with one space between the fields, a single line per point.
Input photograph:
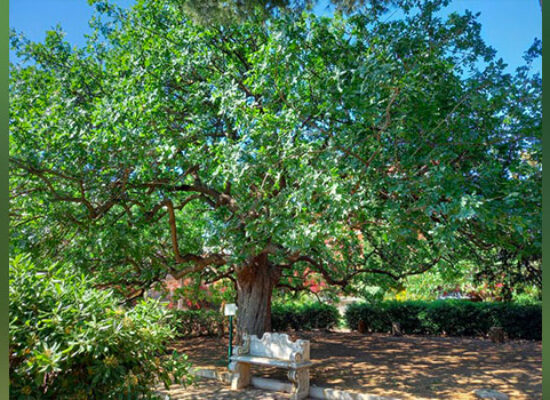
x=273 y=350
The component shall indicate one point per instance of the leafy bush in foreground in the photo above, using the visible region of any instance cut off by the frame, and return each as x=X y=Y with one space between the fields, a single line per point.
x=455 y=318
x=71 y=341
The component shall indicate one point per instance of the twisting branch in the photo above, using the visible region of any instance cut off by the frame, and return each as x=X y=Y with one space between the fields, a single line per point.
x=198 y=263
x=387 y=113
x=228 y=274
x=58 y=196
x=328 y=277
x=295 y=258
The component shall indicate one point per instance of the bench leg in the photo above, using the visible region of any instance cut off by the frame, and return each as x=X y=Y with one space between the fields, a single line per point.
x=300 y=383
x=240 y=375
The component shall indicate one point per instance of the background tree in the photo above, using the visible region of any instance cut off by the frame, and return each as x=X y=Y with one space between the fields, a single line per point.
x=358 y=149
x=223 y=12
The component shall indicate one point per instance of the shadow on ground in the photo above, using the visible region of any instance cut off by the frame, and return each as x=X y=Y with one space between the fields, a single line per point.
x=408 y=367
x=211 y=390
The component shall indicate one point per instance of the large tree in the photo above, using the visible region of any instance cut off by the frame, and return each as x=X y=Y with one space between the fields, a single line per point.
x=369 y=147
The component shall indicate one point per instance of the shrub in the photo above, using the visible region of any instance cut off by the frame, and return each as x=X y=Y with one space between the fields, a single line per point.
x=459 y=318
x=451 y=317
x=284 y=316
x=372 y=313
x=520 y=321
x=409 y=315
x=305 y=316
x=191 y=323
x=71 y=341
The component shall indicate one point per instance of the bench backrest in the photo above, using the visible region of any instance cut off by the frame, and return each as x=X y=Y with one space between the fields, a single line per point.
x=275 y=345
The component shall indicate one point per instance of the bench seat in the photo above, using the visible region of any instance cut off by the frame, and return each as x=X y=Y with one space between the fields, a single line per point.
x=271 y=362
x=272 y=350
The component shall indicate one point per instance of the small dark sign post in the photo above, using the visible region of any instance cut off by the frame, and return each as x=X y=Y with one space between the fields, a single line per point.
x=230 y=310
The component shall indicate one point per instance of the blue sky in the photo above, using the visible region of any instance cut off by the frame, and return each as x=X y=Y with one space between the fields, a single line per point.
x=507 y=25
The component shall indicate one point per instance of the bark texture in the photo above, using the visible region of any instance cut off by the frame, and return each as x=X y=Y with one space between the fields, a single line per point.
x=255 y=284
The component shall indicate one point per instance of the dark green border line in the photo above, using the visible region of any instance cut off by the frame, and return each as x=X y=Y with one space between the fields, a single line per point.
x=546 y=206
x=4 y=204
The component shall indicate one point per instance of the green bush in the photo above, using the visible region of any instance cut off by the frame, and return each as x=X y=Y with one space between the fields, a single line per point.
x=372 y=313
x=191 y=323
x=521 y=321
x=71 y=341
x=305 y=316
x=450 y=317
x=284 y=316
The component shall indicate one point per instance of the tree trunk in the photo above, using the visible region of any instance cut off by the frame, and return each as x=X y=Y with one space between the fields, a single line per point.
x=255 y=284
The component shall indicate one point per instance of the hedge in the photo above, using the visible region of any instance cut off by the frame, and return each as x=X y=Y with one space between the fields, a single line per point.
x=192 y=323
x=305 y=316
x=449 y=317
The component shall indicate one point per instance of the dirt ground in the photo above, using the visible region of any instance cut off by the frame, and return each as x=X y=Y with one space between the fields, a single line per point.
x=407 y=367
x=208 y=389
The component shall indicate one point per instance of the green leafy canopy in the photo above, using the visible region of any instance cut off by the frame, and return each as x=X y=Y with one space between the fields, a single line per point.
x=359 y=147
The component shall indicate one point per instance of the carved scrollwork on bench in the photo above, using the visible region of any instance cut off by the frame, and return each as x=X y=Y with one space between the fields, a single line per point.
x=245 y=347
